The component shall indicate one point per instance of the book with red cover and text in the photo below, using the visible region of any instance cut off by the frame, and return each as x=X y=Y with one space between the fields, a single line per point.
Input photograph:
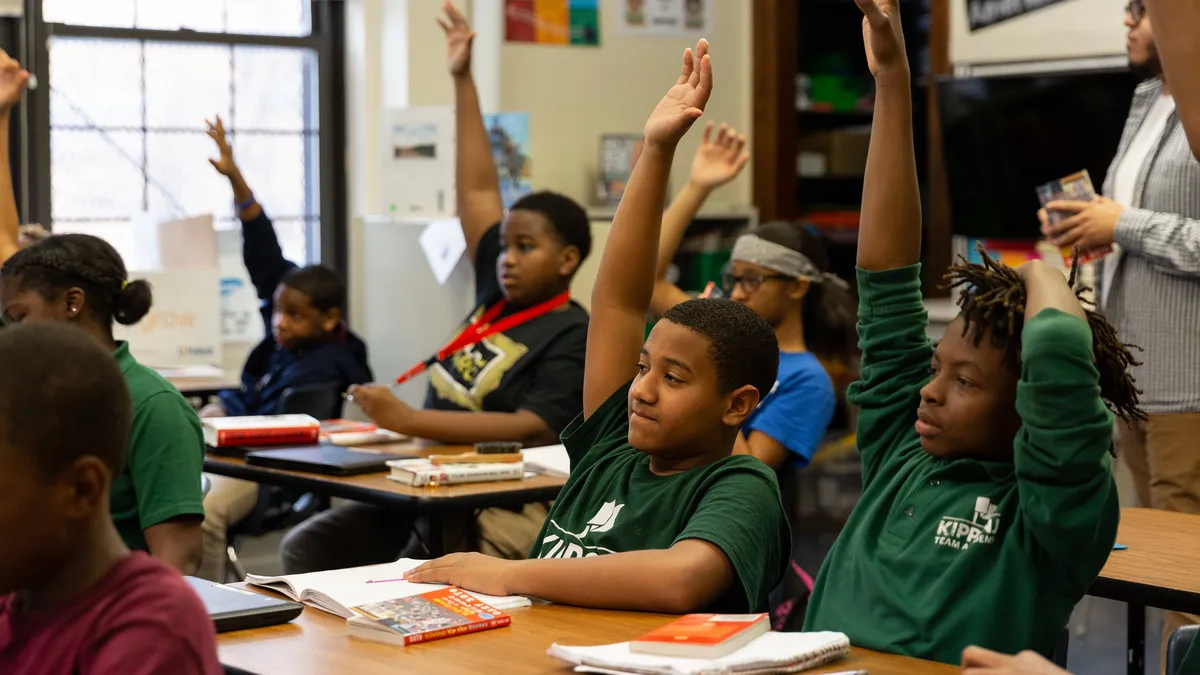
x=702 y=636
x=420 y=618
x=259 y=430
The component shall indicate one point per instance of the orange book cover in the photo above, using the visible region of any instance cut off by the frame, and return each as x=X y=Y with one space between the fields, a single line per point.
x=340 y=426
x=429 y=616
x=701 y=634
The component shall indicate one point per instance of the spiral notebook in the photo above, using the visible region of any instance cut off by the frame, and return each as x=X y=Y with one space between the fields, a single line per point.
x=766 y=655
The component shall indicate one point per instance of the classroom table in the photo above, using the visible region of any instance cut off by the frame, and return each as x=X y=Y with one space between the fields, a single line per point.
x=317 y=643
x=375 y=488
x=1161 y=568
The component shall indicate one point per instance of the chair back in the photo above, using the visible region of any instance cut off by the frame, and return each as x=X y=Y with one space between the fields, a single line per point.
x=322 y=400
x=1177 y=647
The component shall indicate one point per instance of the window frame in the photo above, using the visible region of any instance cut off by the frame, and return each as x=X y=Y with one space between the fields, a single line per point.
x=326 y=40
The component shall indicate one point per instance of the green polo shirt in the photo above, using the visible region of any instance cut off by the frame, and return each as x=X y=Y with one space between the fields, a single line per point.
x=944 y=553
x=161 y=479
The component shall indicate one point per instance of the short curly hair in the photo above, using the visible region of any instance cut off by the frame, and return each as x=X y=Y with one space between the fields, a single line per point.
x=566 y=216
x=742 y=345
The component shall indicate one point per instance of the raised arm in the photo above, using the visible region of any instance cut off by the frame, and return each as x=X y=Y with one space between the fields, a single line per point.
x=718 y=161
x=890 y=229
x=1176 y=25
x=13 y=79
x=625 y=282
x=261 y=252
x=476 y=182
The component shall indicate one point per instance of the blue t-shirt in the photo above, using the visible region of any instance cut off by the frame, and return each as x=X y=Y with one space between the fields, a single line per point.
x=799 y=407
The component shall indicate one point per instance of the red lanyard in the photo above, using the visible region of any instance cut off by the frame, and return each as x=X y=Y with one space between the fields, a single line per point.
x=482 y=328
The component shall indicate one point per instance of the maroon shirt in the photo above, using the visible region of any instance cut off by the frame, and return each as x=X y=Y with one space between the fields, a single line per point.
x=140 y=619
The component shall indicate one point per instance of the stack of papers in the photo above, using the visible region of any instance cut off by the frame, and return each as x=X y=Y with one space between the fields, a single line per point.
x=551 y=460
x=768 y=654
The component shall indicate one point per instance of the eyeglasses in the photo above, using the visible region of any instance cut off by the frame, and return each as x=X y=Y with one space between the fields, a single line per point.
x=749 y=282
x=1136 y=9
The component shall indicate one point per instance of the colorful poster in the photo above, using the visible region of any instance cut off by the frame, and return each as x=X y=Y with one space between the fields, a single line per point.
x=692 y=18
x=559 y=22
x=509 y=135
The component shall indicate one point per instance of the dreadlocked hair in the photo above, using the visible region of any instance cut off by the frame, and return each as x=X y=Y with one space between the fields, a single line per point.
x=992 y=297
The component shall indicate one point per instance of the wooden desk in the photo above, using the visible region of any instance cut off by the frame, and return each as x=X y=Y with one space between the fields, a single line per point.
x=1161 y=568
x=317 y=643
x=375 y=488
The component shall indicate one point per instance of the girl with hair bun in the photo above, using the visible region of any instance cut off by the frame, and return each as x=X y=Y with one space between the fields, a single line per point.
x=156 y=501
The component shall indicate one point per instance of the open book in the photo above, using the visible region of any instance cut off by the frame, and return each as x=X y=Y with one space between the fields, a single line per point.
x=551 y=460
x=767 y=654
x=337 y=591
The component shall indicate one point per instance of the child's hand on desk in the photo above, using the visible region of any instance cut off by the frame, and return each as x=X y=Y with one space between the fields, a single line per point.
x=980 y=661
x=459 y=37
x=684 y=102
x=718 y=160
x=378 y=402
x=468 y=571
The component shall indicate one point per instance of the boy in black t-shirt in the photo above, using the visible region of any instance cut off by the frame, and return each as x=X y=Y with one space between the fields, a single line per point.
x=657 y=515
x=524 y=383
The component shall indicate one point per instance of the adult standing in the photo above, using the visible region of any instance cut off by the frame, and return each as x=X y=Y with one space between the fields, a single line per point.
x=1150 y=286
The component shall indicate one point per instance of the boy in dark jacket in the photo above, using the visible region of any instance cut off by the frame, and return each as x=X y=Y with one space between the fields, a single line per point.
x=307 y=343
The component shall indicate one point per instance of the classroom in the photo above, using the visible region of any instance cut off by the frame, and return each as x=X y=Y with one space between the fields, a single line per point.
x=679 y=337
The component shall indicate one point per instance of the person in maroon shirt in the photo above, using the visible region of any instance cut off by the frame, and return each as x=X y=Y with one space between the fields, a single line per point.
x=73 y=599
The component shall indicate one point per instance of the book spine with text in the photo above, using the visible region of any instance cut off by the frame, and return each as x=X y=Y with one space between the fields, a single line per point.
x=283 y=436
x=427 y=636
x=446 y=475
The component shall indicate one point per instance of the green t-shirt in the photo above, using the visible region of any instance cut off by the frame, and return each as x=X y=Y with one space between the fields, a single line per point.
x=944 y=553
x=161 y=479
x=613 y=503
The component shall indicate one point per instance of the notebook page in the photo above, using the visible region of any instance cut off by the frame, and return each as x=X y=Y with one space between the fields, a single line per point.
x=772 y=652
x=551 y=460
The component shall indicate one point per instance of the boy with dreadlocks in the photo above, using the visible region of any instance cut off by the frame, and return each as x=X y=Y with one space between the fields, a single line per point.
x=986 y=520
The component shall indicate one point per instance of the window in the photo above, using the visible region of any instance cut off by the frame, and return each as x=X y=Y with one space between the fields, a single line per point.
x=128 y=101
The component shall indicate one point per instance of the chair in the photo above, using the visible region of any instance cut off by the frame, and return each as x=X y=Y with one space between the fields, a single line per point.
x=1059 y=657
x=1177 y=647
x=278 y=508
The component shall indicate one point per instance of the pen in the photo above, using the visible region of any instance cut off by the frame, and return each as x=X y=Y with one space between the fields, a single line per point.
x=849 y=672
x=384 y=581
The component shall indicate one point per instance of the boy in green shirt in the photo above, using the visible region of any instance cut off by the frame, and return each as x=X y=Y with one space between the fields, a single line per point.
x=657 y=515
x=988 y=519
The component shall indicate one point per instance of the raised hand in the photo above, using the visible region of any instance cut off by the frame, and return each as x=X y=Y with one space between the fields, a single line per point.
x=13 y=79
x=459 y=37
x=718 y=160
x=224 y=163
x=684 y=102
x=883 y=37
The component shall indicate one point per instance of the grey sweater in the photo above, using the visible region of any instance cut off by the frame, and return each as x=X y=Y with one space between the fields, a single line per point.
x=1155 y=297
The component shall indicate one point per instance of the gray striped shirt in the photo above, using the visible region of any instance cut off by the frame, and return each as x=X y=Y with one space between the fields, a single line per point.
x=1155 y=298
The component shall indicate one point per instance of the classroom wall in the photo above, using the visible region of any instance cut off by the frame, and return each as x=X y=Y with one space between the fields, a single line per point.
x=1067 y=30
x=396 y=58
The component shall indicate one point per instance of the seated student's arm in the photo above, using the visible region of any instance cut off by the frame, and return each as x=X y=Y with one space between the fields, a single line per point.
x=477 y=185
x=13 y=79
x=891 y=316
x=166 y=461
x=733 y=546
x=717 y=162
x=791 y=423
x=625 y=282
x=1176 y=25
x=1063 y=471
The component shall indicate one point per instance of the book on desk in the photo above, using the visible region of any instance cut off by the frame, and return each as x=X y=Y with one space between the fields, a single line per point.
x=433 y=615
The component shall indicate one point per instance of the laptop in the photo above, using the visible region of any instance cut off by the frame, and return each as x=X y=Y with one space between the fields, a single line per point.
x=330 y=460
x=236 y=609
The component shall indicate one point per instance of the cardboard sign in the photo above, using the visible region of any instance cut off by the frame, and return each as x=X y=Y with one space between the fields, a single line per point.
x=184 y=324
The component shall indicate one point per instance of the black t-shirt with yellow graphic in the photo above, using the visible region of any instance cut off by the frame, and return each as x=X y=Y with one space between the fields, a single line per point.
x=536 y=366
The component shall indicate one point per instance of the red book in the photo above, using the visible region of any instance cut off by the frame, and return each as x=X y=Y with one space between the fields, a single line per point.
x=702 y=636
x=261 y=430
x=420 y=618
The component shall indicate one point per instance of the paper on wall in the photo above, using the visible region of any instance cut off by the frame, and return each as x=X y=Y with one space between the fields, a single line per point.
x=443 y=243
x=691 y=18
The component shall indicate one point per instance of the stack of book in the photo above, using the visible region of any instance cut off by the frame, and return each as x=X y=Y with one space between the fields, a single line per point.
x=425 y=472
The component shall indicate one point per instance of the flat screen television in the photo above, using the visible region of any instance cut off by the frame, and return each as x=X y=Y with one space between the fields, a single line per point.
x=1005 y=135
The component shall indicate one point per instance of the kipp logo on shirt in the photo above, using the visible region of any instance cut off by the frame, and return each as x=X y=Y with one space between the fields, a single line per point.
x=960 y=533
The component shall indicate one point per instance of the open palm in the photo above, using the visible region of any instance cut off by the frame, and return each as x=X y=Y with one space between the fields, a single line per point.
x=224 y=163
x=459 y=37
x=883 y=37
x=718 y=160
x=684 y=102
x=13 y=79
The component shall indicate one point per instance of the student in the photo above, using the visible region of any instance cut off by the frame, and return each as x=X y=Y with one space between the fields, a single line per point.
x=986 y=521
x=73 y=599
x=657 y=515
x=81 y=280
x=307 y=343
x=522 y=384
x=781 y=271
x=13 y=79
